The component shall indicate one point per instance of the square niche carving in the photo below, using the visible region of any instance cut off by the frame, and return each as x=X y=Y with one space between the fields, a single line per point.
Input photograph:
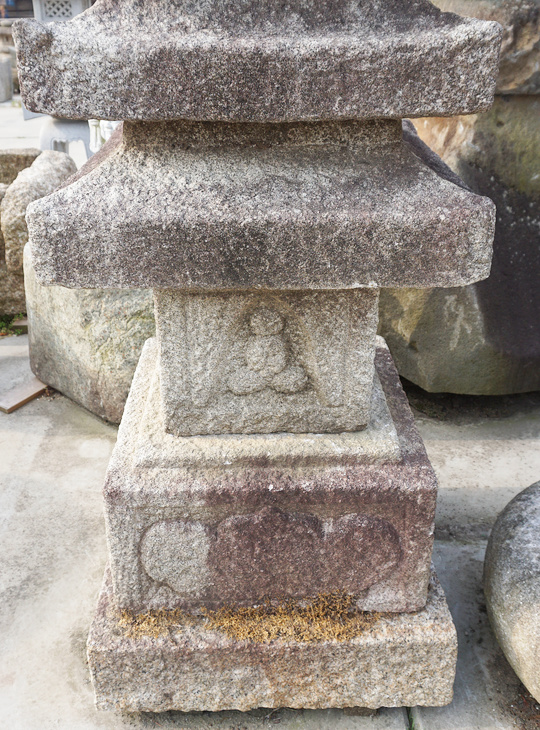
x=266 y=362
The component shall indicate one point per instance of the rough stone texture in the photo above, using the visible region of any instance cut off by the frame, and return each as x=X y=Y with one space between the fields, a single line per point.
x=512 y=585
x=519 y=71
x=408 y=659
x=242 y=61
x=6 y=82
x=481 y=339
x=193 y=521
x=12 y=161
x=151 y=446
x=43 y=176
x=12 y=299
x=86 y=343
x=300 y=206
x=251 y=362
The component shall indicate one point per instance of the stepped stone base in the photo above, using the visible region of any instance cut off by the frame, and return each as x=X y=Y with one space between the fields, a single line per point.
x=402 y=659
x=207 y=520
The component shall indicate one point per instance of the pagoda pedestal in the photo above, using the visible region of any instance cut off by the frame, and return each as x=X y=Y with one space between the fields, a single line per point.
x=269 y=504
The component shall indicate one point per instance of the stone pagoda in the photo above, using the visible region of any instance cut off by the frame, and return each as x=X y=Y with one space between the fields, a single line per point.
x=265 y=188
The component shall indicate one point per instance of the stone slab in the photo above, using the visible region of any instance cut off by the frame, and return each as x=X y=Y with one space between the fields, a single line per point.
x=149 y=444
x=228 y=206
x=21 y=394
x=193 y=521
x=487 y=693
x=403 y=659
x=512 y=585
x=251 y=362
x=86 y=343
x=233 y=60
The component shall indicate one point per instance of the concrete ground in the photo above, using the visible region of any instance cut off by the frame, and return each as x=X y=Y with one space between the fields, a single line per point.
x=53 y=456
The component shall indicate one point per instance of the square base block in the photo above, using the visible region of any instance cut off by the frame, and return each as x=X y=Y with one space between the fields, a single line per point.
x=213 y=520
x=401 y=660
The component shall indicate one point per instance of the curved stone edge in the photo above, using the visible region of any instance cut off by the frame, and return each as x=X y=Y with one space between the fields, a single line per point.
x=512 y=585
x=447 y=243
x=48 y=171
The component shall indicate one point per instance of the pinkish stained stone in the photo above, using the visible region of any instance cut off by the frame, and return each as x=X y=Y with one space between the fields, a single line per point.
x=312 y=513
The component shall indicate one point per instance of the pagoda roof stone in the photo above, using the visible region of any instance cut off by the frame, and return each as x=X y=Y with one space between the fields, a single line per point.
x=259 y=206
x=246 y=60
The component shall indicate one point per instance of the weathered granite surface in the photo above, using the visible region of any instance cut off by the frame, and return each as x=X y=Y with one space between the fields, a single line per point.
x=481 y=339
x=300 y=206
x=519 y=71
x=193 y=521
x=86 y=343
x=406 y=659
x=252 y=362
x=43 y=176
x=512 y=585
x=12 y=161
x=237 y=60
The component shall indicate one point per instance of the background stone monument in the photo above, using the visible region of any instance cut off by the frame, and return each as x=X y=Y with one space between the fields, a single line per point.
x=25 y=175
x=86 y=342
x=482 y=339
x=264 y=190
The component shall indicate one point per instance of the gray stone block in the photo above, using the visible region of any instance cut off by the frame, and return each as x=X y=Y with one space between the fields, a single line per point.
x=199 y=521
x=299 y=206
x=239 y=61
x=44 y=175
x=251 y=362
x=12 y=300
x=87 y=343
x=404 y=659
x=481 y=339
x=512 y=585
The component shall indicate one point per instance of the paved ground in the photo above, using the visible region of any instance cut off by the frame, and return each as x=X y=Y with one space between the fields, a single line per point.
x=53 y=456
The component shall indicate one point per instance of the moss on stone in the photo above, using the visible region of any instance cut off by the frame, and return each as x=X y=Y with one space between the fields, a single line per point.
x=328 y=617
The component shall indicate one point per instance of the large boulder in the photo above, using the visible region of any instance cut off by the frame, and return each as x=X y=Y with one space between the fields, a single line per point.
x=44 y=175
x=520 y=53
x=481 y=339
x=12 y=161
x=86 y=342
x=512 y=585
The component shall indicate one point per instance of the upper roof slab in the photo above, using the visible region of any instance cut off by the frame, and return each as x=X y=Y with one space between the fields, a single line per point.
x=247 y=60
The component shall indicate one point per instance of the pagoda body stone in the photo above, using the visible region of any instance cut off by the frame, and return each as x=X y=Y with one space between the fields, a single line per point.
x=265 y=190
